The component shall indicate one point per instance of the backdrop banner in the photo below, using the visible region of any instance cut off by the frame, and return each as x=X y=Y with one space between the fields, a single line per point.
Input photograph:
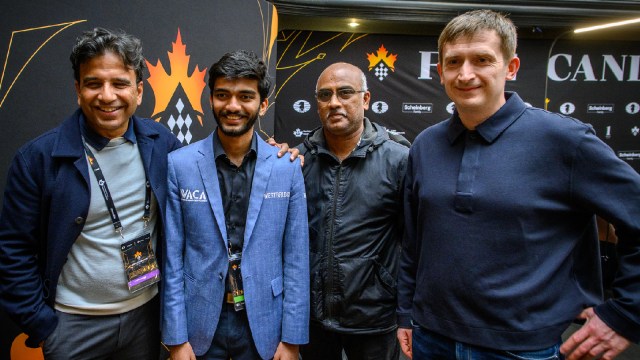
x=596 y=82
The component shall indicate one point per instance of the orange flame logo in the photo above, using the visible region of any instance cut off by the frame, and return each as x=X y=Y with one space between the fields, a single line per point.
x=382 y=56
x=164 y=85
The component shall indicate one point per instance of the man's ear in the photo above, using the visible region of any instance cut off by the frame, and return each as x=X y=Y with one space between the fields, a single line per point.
x=77 y=91
x=264 y=105
x=512 y=68
x=139 y=87
x=366 y=98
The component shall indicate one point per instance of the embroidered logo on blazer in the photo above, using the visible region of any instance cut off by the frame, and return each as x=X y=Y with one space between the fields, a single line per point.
x=193 y=195
x=277 y=194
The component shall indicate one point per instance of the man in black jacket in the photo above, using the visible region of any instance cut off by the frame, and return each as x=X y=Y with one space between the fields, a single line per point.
x=353 y=174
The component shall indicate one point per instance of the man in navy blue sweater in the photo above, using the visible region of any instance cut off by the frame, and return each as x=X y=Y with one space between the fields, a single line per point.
x=500 y=250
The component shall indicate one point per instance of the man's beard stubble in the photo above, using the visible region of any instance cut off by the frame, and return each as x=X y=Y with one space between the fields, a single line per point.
x=241 y=131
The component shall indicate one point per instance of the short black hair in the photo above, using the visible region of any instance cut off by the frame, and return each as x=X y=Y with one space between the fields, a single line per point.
x=99 y=41
x=241 y=64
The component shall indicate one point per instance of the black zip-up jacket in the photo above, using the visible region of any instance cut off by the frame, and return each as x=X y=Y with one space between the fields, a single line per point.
x=355 y=230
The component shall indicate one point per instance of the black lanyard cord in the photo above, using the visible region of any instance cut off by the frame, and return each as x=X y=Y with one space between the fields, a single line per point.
x=106 y=194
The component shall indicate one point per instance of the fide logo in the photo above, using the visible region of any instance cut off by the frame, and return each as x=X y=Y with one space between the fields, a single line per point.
x=379 y=107
x=301 y=106
x=451 y=107
x=632 y=108
x=567 y=108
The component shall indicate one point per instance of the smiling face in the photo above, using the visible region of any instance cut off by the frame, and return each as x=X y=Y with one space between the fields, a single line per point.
x=474 y=72
x=236 y=105
x=108 y=94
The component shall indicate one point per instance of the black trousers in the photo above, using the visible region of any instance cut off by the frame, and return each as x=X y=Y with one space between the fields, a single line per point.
x=328 y=345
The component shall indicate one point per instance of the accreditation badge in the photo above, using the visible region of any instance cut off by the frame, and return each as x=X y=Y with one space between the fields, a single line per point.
x=140 y=265
x=235 y=281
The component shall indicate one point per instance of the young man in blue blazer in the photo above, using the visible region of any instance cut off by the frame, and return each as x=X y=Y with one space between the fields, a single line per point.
x=237 y=266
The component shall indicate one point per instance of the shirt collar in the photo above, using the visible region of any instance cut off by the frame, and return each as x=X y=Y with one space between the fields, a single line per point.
x=495 y=125
x=98 y=141
x=218 y=150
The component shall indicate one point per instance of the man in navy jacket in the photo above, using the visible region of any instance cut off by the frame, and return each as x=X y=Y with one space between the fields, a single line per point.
x=62 y=275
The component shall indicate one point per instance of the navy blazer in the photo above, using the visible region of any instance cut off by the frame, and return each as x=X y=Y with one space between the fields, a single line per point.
x=275 y=254
x=46 y=202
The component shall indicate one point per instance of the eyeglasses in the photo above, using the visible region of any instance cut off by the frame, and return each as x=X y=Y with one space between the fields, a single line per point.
x=343 y=94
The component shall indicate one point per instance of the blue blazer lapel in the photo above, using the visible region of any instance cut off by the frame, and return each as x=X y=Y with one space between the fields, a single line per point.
x=209 y=175
x=261 y=175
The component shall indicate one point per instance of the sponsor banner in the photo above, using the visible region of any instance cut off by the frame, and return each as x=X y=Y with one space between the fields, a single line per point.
x=629 y=155
x=417 y=108
x=600 y=108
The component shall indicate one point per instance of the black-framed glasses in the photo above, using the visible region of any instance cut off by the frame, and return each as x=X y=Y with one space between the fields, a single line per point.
x=343 y=94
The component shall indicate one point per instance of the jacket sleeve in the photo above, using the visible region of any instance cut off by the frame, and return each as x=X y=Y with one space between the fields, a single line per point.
x=611 y=188
x=409 y=252
x=22 y=294
x=295 y=312
x=174 y=314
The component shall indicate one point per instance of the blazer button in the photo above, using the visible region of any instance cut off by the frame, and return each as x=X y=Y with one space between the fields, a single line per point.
x=79 y=220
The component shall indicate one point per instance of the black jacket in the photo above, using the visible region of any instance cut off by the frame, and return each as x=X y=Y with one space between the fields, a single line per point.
x=355 y=229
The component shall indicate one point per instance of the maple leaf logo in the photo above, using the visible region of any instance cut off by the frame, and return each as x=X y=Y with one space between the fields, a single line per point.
x=137 y=254
x=382 y=56
x=164 y=85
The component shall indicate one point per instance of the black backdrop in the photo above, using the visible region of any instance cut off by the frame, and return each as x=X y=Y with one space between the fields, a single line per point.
x=36 y=86
x=596 y=82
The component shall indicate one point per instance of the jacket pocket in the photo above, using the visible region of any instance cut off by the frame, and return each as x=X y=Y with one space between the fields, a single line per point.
x=369 y=294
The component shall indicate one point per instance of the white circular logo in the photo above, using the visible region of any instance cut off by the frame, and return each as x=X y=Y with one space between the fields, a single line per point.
x=632 y=108
x=301 y=106
x=567 y=108
x=379 y=107
x=451 y=107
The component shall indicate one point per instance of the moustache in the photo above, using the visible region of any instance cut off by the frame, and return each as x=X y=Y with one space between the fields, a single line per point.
x=239 y=113
x=332 y=113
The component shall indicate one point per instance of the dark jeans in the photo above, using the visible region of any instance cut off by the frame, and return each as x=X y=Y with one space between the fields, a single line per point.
x=328 y=345
x=132 y=335
x=429 y=345
x=232 y=338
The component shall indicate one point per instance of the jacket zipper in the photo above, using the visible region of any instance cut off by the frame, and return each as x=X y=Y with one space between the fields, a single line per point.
x=329 y=286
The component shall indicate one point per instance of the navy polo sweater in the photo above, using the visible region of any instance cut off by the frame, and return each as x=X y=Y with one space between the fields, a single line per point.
x=501 y=248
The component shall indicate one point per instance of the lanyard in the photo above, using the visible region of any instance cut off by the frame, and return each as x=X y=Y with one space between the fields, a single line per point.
x=108 y=200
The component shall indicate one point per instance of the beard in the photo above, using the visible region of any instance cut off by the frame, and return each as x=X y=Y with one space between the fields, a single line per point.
x=246 y=127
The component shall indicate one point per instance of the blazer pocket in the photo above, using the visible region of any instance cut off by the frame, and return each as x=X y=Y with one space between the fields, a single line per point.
x=277 y=286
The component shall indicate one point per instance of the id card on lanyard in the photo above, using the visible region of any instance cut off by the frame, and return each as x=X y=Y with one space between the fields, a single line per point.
x=138 y=259
x=235 y=279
